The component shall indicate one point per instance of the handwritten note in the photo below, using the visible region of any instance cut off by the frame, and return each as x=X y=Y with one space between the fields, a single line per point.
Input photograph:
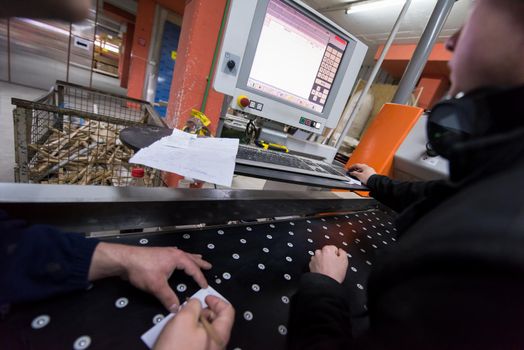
x=206 y=159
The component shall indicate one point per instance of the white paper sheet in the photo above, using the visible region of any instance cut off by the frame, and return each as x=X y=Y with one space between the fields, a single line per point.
x=206 y=159
x=151 y=335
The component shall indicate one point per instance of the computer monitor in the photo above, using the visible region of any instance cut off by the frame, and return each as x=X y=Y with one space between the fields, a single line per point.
x=284 y=61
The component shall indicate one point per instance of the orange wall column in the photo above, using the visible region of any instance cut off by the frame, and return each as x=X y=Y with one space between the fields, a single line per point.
x=198 y=39
x=140 y=50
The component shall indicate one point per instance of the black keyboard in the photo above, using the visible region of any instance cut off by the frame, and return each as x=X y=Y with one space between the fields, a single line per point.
x=272 y=157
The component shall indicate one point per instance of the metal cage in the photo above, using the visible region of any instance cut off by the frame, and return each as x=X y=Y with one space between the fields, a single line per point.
x=71 y=136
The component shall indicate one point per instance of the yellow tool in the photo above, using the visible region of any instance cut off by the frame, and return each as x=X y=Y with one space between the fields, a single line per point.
x=272 y=146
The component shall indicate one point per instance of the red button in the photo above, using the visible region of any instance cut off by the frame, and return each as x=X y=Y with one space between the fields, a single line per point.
x=244 y=102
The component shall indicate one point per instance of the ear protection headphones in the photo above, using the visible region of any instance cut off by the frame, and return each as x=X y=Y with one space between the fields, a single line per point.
x=480 y=113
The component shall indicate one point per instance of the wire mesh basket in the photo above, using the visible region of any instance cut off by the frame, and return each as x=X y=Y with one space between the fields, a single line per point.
x=71 y=136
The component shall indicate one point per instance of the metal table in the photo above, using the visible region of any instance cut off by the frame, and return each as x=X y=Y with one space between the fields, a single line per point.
x=257 y=261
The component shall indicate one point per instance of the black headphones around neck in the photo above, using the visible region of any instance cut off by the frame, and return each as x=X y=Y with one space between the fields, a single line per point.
x=480 y=113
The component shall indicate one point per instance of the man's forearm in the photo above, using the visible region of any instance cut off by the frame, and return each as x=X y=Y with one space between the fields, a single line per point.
x=108 y=261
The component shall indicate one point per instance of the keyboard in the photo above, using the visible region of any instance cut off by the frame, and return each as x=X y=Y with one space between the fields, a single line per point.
x=253 y=156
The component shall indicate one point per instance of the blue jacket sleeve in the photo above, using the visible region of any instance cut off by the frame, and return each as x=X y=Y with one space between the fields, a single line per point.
x=40 y=261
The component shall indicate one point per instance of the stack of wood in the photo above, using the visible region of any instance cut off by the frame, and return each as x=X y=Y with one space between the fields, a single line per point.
x=88 y=154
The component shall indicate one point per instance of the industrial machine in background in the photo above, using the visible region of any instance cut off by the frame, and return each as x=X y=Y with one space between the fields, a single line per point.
x=287 y=68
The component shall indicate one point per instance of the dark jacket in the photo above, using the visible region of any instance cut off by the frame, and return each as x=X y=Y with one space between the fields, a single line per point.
x=456 y=277
x=40 y=261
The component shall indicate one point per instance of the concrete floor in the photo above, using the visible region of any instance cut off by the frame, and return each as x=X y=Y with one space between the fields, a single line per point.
x=7 y=158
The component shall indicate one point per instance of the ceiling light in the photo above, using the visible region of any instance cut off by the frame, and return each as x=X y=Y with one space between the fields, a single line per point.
x=366 y=6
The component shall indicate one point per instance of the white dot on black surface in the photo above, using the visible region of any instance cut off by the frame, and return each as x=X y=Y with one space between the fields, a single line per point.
x=186 y=236
x=357 y=240
x=218 y=281
x=285 y=299
x=261 y=266
x=211 y=246
x=345 y=244
x=324 y=227
x=144 y=241
x=220 y=232
x=236 y=256
x=338 y=225
x=309 y=230
x=394 y=239
x=385 y=243
x=308 y=221
x=181 y=287
x=310 y=240
x=291 y=233
x=374 y=246
x=40 y=322
x=249 y=228
x=282 y=330
x=379 y=234
x=353 y=269
x=368 y=262
x=362 y=250
x=365 y=229
x=322 y=219
x=158 y=318
x=289 y=259
x=255 y=287
x=340 y=233
x=368 y=236
x=292 y=223
x=82 y=343
x=349 y=222
x=226 y=275
x=359 y=286
x=271 y=225
x=265 y=250
x=290 y=245
x=287 y=276
x=360 y=221
x=349 y=255
x=327 y=237
x=311 y=253
x=269 y=237
x=243 y=241
x=248 y=315
x=121 y=303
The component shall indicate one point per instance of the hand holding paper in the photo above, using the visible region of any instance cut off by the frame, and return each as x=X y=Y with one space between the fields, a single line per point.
x=220 y=314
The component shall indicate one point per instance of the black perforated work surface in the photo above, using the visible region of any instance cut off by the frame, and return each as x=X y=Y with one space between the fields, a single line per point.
x=255 y=266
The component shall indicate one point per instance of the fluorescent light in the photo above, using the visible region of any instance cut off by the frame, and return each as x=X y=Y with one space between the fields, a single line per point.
x=372 y=5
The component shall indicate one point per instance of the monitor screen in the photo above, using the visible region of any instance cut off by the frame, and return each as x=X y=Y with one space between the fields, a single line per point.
x=283 y=61
x=296 y=58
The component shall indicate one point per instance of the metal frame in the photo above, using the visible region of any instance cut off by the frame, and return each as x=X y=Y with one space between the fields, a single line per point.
x=99 y=208
x=36 y=121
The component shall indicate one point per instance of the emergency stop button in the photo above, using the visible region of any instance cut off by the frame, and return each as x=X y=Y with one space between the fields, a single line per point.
x=243 y=101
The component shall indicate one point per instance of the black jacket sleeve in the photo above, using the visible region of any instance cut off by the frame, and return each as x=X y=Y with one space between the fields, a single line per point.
x=319 y=315
x=40 y=261
x=398 y=195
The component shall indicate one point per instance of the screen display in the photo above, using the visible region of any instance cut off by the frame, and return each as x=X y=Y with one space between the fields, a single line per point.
x=296 y=58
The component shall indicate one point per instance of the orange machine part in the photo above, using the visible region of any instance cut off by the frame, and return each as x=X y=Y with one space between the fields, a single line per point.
x=384 y=136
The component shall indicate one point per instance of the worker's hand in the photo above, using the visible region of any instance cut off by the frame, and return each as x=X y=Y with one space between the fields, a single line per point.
x=147 y=268
x=362 y=172
x=185 y=331
x=330 y=261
